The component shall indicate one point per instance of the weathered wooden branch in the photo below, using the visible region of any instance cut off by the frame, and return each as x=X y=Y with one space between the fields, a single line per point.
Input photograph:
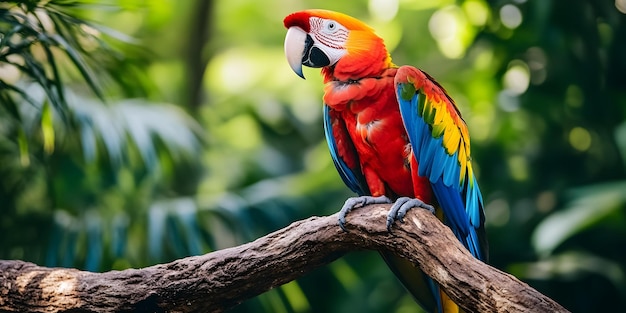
x=220 y=280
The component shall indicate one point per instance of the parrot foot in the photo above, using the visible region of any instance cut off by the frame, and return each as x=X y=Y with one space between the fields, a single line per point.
x=357 y=202
x=401 y=206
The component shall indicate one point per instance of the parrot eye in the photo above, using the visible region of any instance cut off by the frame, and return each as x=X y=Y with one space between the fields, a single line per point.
x=331 y=26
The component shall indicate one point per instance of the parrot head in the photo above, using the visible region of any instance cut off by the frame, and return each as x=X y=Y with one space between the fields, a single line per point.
x=334 y=42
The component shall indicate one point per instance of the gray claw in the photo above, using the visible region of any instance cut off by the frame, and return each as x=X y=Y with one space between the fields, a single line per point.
x=401 y=206
x=357 y=202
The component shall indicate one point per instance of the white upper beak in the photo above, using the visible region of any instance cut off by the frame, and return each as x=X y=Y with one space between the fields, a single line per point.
x=294 y=48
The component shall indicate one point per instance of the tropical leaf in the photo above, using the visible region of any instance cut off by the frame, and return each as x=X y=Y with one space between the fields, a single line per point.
x=47 y=43
x=587 y=206
x=570 y=265
x=109 y=129
x=32 y=31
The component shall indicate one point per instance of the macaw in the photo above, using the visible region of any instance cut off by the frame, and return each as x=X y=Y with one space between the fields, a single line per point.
x=394 y=134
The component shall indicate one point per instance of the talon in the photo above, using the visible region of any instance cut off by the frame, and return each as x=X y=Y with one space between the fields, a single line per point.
x=401 y=206
x=342 y=222
x=357 y=202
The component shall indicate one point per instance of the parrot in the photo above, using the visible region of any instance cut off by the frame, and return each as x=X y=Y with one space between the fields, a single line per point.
x=394 y=134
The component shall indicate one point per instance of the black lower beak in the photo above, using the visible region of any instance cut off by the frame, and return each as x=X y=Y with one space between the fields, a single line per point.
x=313 y=56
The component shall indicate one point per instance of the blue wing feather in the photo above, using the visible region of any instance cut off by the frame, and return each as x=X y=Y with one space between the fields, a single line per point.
x=473 y=208
x=438 y=167
x=449 y=198
x=353 y=178
x=427 y=155
x=452 y=171
x=462 y=206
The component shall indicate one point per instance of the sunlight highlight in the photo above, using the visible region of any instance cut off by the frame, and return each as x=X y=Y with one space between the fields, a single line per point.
x=447 y=26
x=237 y=72
x=621 y=5
x=384 y=10
x=477 y=12
x=510 y=16
x=9 y=73
x=443 y=25
x=517 y=77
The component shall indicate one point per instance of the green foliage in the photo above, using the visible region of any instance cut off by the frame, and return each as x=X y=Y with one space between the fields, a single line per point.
x=98 y=172
x=34 y=34
x=75 y=168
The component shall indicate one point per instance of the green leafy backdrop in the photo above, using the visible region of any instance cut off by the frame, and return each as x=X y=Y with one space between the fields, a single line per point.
x=138 y=132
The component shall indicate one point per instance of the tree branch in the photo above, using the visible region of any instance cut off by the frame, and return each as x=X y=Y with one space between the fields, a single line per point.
x=222 y=279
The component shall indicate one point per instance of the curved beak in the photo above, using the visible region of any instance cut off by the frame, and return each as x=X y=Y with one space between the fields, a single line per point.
x=295 y=44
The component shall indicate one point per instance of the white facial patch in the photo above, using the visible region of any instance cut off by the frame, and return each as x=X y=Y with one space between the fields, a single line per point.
x=330 y=37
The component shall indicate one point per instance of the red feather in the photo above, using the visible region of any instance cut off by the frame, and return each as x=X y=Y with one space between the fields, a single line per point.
x=300 y=19
x=369 y=110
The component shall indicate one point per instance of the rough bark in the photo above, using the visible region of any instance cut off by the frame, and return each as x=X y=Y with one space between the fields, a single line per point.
x=220 y=280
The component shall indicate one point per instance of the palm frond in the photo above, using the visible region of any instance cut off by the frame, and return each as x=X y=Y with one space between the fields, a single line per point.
x=46 y=43
x=108 y=130
x=29 y=42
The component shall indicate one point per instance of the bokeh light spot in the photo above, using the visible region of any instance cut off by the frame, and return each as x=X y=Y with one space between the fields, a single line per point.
x=449 y=28
x=384 y=10
x=510 y=16
x=621 y=5
x=546 y=201
x=517 y=77
x=443 y=25
x=499 y=212
x=477 y=12
x=580 y=139
x=537 y=62
x=508 y=101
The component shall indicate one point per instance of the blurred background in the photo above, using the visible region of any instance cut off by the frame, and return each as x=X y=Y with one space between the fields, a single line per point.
x=138 y=132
